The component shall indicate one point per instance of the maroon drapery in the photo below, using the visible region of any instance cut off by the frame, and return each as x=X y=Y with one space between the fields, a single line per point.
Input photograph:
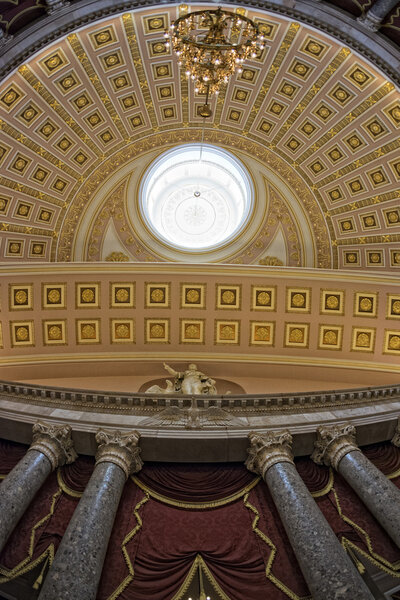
x=155 y=541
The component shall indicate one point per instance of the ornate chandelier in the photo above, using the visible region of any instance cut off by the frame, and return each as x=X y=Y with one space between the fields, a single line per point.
x=211 y=45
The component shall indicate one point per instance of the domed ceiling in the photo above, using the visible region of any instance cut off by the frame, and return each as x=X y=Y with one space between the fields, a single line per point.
x=316 y=125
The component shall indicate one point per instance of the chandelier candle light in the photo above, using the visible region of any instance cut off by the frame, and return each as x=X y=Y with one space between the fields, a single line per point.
x=211 y=45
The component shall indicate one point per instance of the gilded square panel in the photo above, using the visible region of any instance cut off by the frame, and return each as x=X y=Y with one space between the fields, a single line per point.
x=365 y=304
x=47 y=129
x=68 y=82
x=94 y=119
x=263 y=297
x=227 y=332
x=317 y=167
x=234 y=115
x=112 y=60
x=262 y=333
x=54 y=332
x=106 y=136
x=53 y=62
x=192 y=331
x=395 y=166
x=228 y=296
x=122 y=295
x=314 y=48
x=29 y=114
x=102 y=37
x=59 y=185
x=248 y=74
x=193 y=295
x=332 y=302
x=136 y=121
x=20 y=297
x=392 y=217
x=4 y=150
x=40 y=175
x=288 y=89
x=393 y=113
x=276 y=108
x=157 y=331
x=11 y=96
x=129 y=102
x=298 y=300
x=363 y=339
x=330 y=337
x=22 y=333
x=335 y=194
x=15 y=248
x=23 y=210
x=377 y=177
x=265 y=126
x=168 y=112
x=375 y=128
x=351 y=258
x=20 y=164
x=162 y=70
x=335 y=154
x=158 y=48
x=267 y=28
x=375 y=258
x=157 y=295
x=391 y=344
x=241 y=95
x=296 y=335
x=300 y=69
x=354 y=141
x=347 y=225
x=54 y=295
x=369 y=221
x=122 y=331
x=324 y=112
x=359 y=76
x=393 y=306
x=340 y=94
x=80 y=158
x=395 y=257
x=293 y=144
x=121 y=81
x=308 y=128
x=37 y=249
x=87 y=295
x=355 y=186
x=156 y=23
x=88 y=331
x=166 y=92
x=4 y=204
x=64 y=144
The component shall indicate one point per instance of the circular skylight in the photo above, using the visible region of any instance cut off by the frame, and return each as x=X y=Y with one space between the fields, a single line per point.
x=196 y=197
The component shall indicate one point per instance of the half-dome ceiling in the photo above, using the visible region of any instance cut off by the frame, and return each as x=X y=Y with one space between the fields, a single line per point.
x=315 y=123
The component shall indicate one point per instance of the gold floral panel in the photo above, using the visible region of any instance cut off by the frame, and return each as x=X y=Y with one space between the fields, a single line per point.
x=122 y=331
x=22 y=333
x=365 y=304
x=157 y=331
x=192 y=331
x=54 y=295
x=21 y=297
x=296 y=335
x=363 y=339
x=263 y=298
x=122 y=295
x=332 y=302
x=395 y=257
x=298 y=300
x=157 y=295
x=262 y=333
x=15 y=248
x=393 y=306
x=54 y=333
x=87 y=295
x=351 y=258
x=229 y=296
x=193 y=295
x=330 y=337
x=227 y=332
x=88 y=331
x=391 y=343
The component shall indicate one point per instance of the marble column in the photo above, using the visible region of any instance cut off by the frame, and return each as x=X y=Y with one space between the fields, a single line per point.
x=55 y=5
x=76 y=570
x=396 y=437
x=373 y=18
x=51 y=447
x=336 y=445
x=328 y=571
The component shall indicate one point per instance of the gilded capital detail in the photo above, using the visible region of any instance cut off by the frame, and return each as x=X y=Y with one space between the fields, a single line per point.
x=333 y=443
x=267 y=449
x=396 y=437
x=119 y=448
x=55 y=442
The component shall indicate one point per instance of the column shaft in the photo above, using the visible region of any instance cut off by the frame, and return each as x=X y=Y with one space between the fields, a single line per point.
x=377 y=492
x=381 y=8
x=76 y=571
x=18 y=489
x=329 y=573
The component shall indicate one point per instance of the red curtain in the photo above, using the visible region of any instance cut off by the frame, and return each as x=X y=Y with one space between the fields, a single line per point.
x=160 y=527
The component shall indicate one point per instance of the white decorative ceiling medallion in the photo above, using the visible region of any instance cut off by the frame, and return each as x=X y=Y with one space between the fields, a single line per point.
x=196 y=197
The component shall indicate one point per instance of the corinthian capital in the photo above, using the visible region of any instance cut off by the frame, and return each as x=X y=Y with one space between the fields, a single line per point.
x=333 y=443
x=121 y=449
x=54 y=441
x=396 y=437
x=267 y=449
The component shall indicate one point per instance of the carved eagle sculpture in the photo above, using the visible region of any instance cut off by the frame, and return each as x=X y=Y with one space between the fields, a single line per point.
x=194 y=417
